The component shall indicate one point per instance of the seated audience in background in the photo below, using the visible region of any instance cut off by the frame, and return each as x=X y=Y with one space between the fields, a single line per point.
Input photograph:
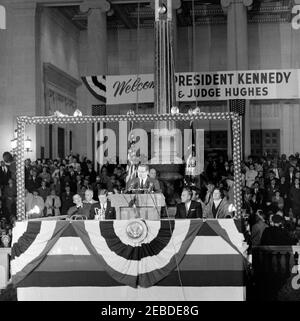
x=52 y=204
x=188 y=208
x=103 y=207
x=277 y=202
x=9 y=197
x=44 y=175
x=218 y=207
x=35 y=205
x=258 y=228
x=66 y=200
x=295 y=199
x=33 y=182
x=277 y=234
x=44 y=191
x=208 y=195
x=250 y=175
x=79 y=208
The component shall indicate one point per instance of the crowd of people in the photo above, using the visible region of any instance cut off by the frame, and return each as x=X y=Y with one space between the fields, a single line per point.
x=271 y=191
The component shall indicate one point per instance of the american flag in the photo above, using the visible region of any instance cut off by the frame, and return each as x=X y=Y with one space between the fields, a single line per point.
x=97 y=110
x=131 y=168
x=237 y=106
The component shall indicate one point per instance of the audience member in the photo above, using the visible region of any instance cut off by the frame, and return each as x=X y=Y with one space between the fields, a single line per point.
x=53 y=204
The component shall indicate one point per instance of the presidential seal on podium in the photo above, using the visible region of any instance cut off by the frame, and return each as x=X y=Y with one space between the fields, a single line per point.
x=136 y=230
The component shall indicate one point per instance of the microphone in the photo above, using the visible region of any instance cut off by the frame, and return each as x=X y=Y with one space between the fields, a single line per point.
x=150 y=189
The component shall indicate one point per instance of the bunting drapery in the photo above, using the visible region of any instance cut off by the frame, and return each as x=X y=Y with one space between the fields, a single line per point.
x=189 y=257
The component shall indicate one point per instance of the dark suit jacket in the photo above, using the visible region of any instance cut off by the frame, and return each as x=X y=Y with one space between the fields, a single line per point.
x=4 y=176
x=195 y=210
x=84 y=211
x=276 y=236
x=66 y=202
x=110 y=213
x=149 y=183
x=33 y=184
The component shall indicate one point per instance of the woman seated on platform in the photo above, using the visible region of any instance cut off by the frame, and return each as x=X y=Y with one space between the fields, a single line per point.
x=218 y=207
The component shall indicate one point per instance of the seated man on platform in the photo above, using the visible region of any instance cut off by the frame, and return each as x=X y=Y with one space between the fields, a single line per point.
x=80 y=208
x=103 y=207
x=143 y=182
x=152 y=175
x=88 y=199
x=188 y=208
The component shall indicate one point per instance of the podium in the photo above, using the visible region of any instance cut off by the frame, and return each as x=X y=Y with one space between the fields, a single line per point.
x=147 y=206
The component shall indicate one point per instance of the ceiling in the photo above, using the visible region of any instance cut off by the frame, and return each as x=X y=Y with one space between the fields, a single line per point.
x=130 y=14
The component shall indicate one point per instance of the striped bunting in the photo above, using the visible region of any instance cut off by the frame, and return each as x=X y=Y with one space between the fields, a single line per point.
x=126 y=293
x=143 y=265
x=97 y=257
x=96 y=85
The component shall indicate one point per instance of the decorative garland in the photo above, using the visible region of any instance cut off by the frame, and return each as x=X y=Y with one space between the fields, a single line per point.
x=78 y=118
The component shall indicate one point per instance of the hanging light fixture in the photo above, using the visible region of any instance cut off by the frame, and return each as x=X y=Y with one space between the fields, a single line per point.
x=27 y=144
x=13 y=142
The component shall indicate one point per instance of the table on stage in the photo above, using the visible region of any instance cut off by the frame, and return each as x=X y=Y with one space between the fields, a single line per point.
x=147 y=206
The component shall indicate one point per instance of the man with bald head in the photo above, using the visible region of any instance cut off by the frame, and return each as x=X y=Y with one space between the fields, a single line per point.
x=80 y=208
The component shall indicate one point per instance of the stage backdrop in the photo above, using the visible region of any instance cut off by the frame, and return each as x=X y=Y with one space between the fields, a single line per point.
x=92 y=260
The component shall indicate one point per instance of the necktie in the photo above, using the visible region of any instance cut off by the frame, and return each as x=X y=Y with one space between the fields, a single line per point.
x=53 y=203
x=187 y=208
x=142 y=185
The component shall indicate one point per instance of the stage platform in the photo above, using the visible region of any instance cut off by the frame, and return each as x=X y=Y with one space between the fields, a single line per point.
x=129 y=260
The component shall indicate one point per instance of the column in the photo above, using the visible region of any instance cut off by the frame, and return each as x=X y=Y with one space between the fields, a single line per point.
x=286 y=133
x=237 y=52
x=95 y=61
x=296 y=128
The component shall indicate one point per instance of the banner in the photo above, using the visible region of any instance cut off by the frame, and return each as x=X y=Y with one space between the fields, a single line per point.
x=204 y=86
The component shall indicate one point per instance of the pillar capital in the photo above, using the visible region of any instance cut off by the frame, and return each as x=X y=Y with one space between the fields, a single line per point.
x=102 y=5
x=227 y=3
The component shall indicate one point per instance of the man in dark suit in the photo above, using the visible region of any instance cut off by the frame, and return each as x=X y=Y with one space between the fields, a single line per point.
x=4 y=174
x=66 y=199
x=143 y=182
x=34 y=182
x=103 y=206
x=80 y=208
x=188 y=208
